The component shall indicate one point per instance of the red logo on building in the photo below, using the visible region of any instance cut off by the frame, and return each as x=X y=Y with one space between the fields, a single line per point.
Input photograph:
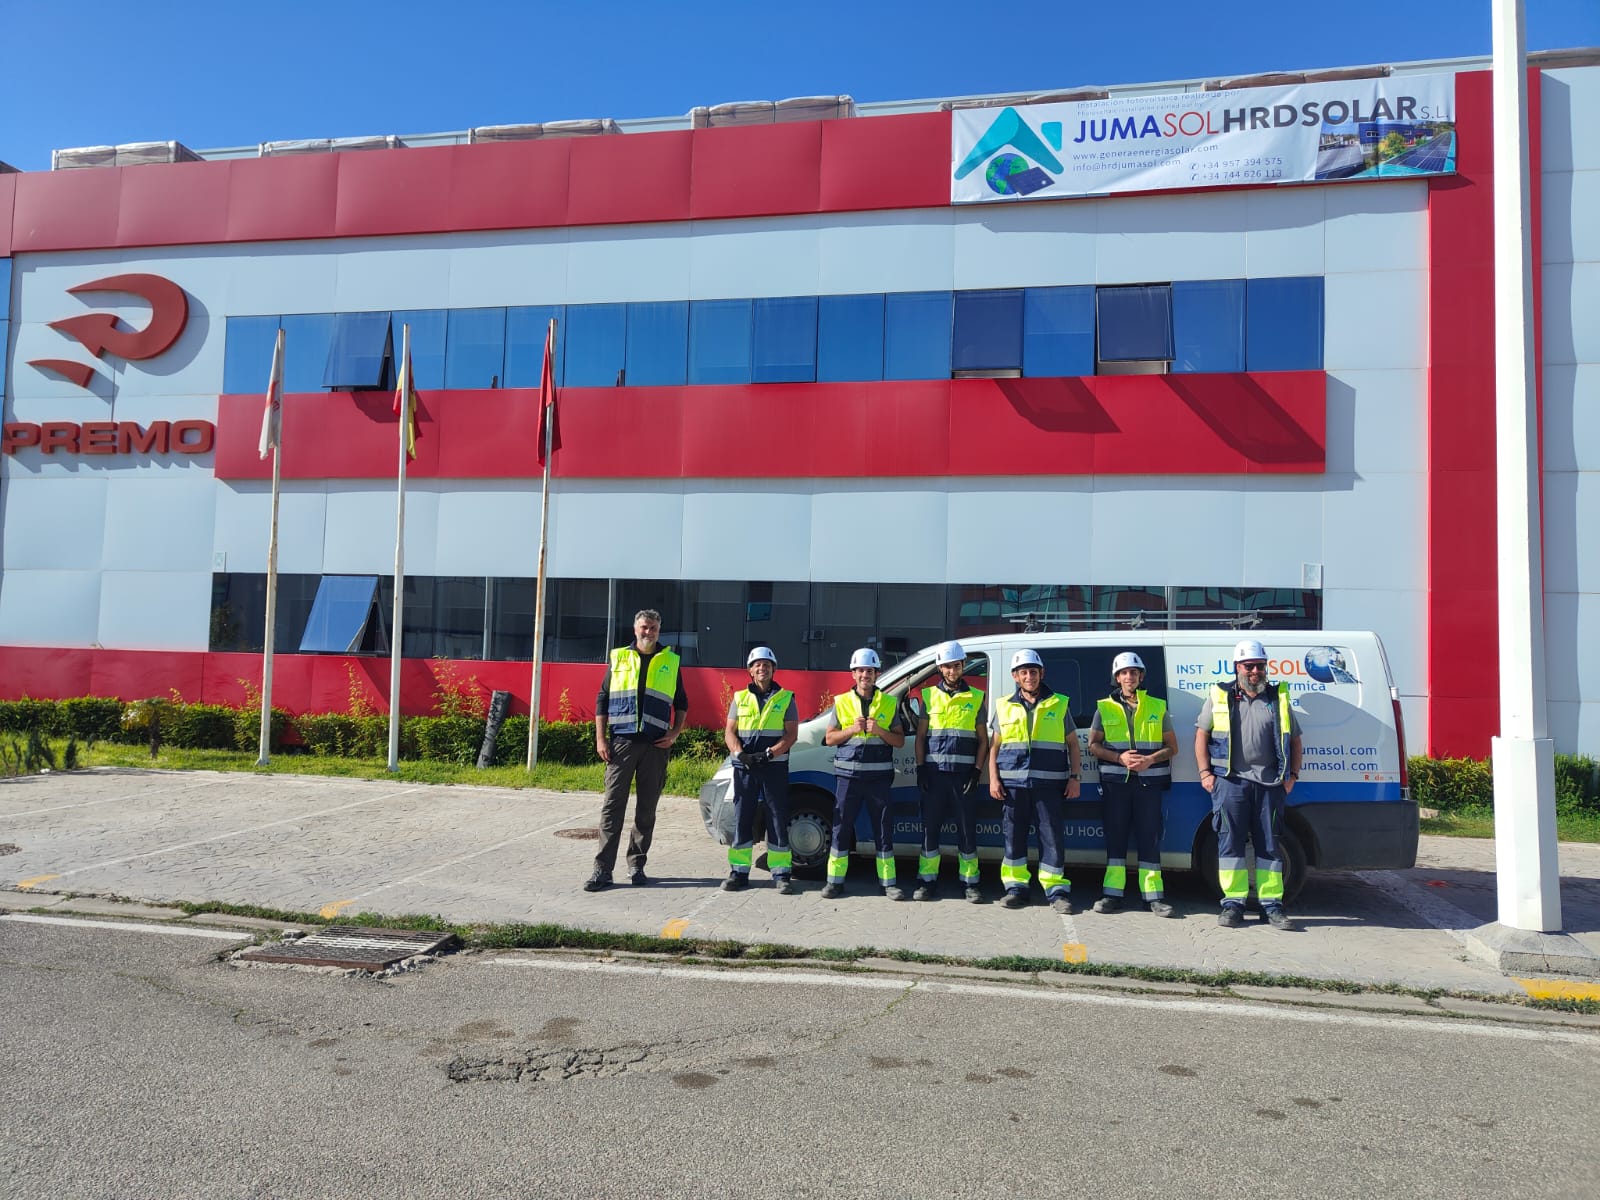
x=102 y=333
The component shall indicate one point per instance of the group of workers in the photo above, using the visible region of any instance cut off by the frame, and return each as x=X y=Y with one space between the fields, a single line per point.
x=1247 y=747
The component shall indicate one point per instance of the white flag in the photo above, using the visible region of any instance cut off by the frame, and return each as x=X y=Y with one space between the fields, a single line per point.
x=272 y=414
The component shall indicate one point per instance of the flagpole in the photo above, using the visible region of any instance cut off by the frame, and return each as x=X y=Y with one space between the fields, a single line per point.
x=547 y=417
x=395 y=626
x=263 y=757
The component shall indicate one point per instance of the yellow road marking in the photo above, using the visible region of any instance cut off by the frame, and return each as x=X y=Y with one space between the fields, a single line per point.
x=674 y=928
x=1560 y=989
x=329 y=911
x=1074 y=952
x=26 y=884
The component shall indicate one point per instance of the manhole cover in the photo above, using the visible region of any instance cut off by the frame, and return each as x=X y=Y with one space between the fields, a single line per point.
x=580 y=835
x=353 y=948
x=7 y=848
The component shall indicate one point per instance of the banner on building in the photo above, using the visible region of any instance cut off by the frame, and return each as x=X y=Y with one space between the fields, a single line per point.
x=1354 y=129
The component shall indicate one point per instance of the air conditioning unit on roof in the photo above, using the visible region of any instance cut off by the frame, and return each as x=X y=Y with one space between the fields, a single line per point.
x=128 y=154
x=330 y=145
x=772 y=112
x=547 y=129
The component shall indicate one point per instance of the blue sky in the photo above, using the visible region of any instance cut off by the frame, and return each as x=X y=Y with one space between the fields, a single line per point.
x=224 y=72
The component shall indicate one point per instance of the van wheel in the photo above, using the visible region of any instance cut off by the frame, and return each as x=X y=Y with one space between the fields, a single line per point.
x=1289 y=844
x=810 y=832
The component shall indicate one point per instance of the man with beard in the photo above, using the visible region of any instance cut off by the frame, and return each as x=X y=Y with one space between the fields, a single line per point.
x=1247 y=746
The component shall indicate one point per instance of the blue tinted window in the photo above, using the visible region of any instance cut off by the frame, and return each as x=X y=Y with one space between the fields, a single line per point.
x=849 y=338
x=1283 y=324
x=525 y=330
x=306 y=340
x=595 y=342
x=658 y=343
x=916 y=335
x=5 y=334
x=427 y=344
x=988 y=331
x=1208 y=325
x=360 y=351
x=1135 y=323
x=1058 y=332
x=785 y=340
x=247 y=354
x=339 y=613
x=5 y=289
x=719 y=341
x=475 y=348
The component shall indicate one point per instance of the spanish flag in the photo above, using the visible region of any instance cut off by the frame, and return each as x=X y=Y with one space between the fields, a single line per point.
x=405 y=401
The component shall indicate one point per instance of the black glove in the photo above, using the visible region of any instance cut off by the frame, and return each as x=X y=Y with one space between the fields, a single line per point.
x=749 y=758
x=927 y=774
x=971 y=784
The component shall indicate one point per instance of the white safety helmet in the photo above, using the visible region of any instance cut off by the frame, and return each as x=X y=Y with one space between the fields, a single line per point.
x=866 y=657
x=949 y=652
x=1026 y=658
x=1249 y=651
x=759 y=653
x=1125 y=660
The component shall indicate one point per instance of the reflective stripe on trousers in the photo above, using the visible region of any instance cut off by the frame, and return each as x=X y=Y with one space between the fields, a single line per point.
x=1248 y=813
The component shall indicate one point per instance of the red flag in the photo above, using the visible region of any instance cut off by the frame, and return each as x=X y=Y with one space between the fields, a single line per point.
x=272 y=413
x=547 y=397
x=405 y=404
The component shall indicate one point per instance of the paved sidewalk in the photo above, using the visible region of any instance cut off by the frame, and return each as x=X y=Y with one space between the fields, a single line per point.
x=497 y=855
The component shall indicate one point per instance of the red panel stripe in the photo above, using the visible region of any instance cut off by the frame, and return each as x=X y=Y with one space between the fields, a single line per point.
x=800 y=167
x=1266 y=422
x=8 y=198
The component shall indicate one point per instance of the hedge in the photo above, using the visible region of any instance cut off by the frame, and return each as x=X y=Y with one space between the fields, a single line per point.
x=1454 y=783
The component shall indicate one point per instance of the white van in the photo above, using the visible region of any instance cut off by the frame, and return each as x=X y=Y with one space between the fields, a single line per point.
x=1351 y=809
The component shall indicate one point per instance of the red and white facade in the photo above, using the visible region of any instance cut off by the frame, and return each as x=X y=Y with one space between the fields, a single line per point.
x=1377 y=472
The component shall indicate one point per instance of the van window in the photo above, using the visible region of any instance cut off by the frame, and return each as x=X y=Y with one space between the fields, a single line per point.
x=1084 y=674
x=927 y=674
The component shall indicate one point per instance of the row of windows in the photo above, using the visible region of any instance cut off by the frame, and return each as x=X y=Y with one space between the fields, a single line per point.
x=1188 y=326
x=710 y=623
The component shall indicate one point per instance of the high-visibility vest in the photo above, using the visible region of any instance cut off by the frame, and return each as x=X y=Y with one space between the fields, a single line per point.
x=623 y=712
x=1033 y=745
x=952 y=727
x=865 y=753
x=761 y=720
x=1221 y=742
x=1145 y=736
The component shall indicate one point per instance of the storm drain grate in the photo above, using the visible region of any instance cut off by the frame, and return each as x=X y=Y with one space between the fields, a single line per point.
x=580 y=834
x=353 y=948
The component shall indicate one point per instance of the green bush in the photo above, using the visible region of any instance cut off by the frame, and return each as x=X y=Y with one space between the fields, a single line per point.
x=701 y=743
x=28 y=716
x=1455 y=783
x=1577 y=784
x=90 y=718
x=570 y=743
x=247 y=728
x=199 y=727
x=454 y=739
x=344 y=736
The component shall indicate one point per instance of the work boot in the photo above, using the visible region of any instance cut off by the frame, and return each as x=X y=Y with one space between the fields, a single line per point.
x=639 y=878
x=1014 y=898
x=974 y=896
x=1279 y=919
x=1107 y=904
x=1062 y=905
x=784 y=884
x=894 y=893
x=1160 y=908
x=833 y=891
x=926 y=890
x=735 y=882
x=599 y=881
x=1231 y=917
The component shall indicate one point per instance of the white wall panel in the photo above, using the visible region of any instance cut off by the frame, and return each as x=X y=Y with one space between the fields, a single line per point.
x=55 y=523
x=1151 y=239
x=740 y=529
x=359 y=535
x=1572 y=647
x=1375 y=320
x=1024 y=245
x=155 y=610
x=1399 y=617
x=1281 y=529
x=53 y=608
x=1571 y=302
x=614 y=528
x=488 y=527
x=1374 y=533
x=192 y=368
x=1568 y=231
x=64 y=401
x=1021 y=531
x=877 y=533
x=615 y=263
x=1380 y=226
x=906 y=251
x=272 y=278
x=735 y=259
x=1572 y=531
x=490 y=270
x=243 y=518
x=1570 y=104
x=1572 y=417
x=159 y=522
x=383 y=274
x=1283 y=231
x=1377 y=421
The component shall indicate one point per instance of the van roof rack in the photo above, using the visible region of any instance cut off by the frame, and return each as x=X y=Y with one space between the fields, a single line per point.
x=1150 y=618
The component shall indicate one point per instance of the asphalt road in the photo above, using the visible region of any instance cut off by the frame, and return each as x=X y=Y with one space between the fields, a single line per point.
x=139 y=1065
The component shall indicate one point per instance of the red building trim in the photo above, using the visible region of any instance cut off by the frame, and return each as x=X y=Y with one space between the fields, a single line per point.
x=1261 y=423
